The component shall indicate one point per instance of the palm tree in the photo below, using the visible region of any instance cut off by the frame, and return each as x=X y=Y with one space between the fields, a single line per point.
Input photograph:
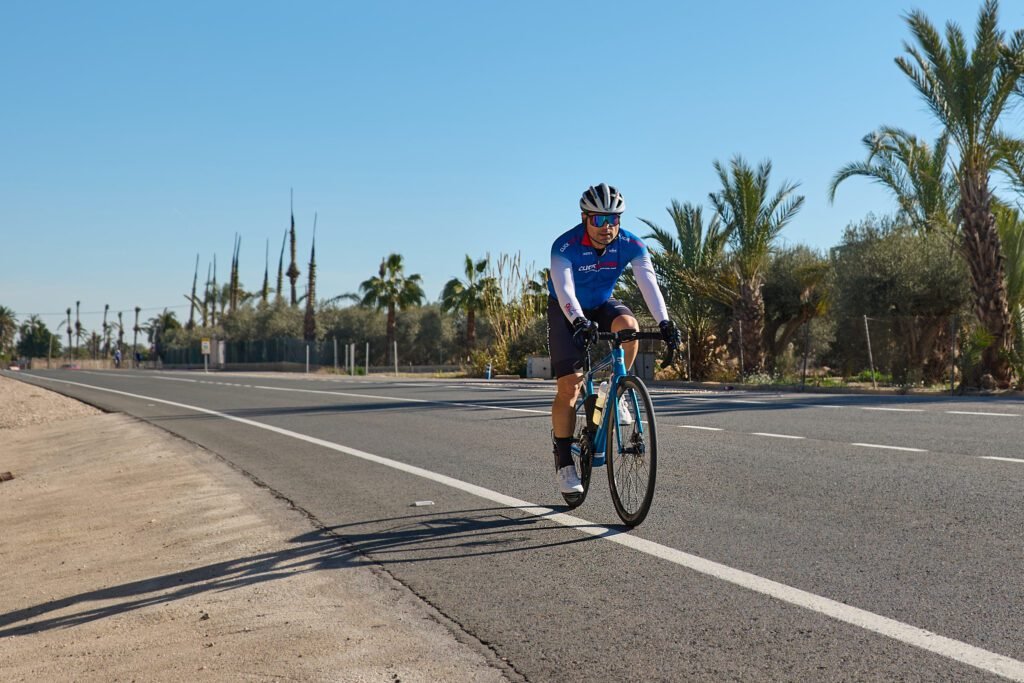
x=309 y=320
x=106 y=331
x=78 y=328
x=293 y=269
x=69 y=328
x=1011 y=232
x=158 y=327
x=135 y=330
x=390 y=289
x=95 y=341
x=753 y=221
x=469 y=295
x=35 y=339
x=968 y=94
x=690 y=265
x=8 y=328
x=234 y=286
x=192 y=299
x=280 y=266
x=211 y=294
x=265 y=292
x=914 y=172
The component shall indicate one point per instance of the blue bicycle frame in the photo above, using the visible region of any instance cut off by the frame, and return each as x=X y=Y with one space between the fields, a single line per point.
x=616 y=360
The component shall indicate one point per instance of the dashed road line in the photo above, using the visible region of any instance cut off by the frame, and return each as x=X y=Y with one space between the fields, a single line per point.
x=893 y=448
x=995 y=457
x=970 y=412
x=895 y=410
x=778 y=436
x=706 y=429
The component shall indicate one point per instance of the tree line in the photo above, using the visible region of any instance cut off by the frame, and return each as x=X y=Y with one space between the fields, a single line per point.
x=938 y=283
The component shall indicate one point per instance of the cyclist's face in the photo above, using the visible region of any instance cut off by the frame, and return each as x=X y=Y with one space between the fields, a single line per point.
x=600 y=236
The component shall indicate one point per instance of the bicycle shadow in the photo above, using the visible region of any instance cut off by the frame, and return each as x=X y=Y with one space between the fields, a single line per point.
x=460 y=534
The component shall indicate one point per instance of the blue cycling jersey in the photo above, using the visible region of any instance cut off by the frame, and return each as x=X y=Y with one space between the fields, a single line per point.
x=594 y=274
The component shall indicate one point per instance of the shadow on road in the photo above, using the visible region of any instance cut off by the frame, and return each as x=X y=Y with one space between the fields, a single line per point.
x=414 y=538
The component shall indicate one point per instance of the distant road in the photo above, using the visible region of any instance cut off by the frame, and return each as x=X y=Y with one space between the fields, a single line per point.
x=792 y=537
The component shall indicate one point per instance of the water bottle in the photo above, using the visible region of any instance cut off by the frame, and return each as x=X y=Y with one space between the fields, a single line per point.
x=602 y=396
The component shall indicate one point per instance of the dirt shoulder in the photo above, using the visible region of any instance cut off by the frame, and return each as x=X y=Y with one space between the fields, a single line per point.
x=129 y=554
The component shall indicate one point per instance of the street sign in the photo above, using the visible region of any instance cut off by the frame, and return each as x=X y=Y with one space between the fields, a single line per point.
x=206 y=347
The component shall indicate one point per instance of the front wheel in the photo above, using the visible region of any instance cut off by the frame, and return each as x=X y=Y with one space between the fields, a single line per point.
x=632 y=450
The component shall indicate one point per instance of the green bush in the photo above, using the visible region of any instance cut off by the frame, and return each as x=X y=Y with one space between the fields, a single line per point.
x=878 y=377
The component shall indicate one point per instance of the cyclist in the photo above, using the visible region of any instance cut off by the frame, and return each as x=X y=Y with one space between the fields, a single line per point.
x=586 y=262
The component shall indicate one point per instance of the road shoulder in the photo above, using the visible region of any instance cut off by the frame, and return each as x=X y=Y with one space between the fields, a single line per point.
x=129 y=553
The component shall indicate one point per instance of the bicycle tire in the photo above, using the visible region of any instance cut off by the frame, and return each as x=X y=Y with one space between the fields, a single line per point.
x=582 y=454
x=631 y=452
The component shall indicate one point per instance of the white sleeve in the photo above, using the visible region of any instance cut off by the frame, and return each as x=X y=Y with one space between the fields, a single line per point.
x=565 y=288
x=643 y=271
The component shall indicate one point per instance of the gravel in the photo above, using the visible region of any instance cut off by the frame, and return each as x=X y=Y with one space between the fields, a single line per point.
x=22 y=405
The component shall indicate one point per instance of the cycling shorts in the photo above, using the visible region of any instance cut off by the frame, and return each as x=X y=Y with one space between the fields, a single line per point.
x=565 y=357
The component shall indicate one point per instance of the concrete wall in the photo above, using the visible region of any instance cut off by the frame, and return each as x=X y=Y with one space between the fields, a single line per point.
x=82 y=364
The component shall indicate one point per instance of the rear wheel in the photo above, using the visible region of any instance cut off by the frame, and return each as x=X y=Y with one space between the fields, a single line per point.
x=632 y=451
x=582 y=454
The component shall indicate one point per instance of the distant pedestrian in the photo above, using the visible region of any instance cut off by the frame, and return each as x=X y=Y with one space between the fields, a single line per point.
x=138 y=359
x=117 y=358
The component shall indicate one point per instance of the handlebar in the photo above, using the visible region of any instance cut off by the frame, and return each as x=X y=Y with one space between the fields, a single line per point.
x=627 y=335
x=623 y=336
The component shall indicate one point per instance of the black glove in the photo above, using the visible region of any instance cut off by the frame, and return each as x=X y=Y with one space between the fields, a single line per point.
x=584 y=333
x=670 y=333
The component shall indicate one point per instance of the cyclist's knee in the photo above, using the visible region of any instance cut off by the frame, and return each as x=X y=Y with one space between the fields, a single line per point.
x=567 y=387
x=624 y=322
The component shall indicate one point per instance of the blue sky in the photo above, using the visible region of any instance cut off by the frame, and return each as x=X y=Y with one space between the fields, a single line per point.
x=136 y=135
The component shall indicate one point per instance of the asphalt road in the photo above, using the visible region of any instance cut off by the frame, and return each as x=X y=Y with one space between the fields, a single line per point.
x=792 y=537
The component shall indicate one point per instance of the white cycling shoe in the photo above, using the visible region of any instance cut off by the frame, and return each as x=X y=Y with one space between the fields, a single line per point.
x=568 y=481
x=625 y=417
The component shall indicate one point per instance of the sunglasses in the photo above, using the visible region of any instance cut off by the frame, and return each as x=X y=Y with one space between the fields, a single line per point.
x=602 y=219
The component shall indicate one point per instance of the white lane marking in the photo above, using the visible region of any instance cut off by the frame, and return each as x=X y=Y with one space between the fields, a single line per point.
x=405 y=400
x=968 y=412
x=965 y=653
x=708 y=429
x=894 y=448
x=823 y=406
x=778 y=436
x=995 y=457
x=127 y=375
x=898 y=410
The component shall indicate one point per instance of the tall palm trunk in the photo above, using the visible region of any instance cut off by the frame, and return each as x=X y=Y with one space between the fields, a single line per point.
x=106 y=331
x=471 y=328
x=71 y=349
x=750 y=315
x=391 y=333
x=78 y=328
x=982 y=250
x=309 y=321
x=192 y=307
x=135 y=332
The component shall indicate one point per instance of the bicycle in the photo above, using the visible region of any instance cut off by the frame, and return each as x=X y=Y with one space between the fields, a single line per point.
x=630 y=446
